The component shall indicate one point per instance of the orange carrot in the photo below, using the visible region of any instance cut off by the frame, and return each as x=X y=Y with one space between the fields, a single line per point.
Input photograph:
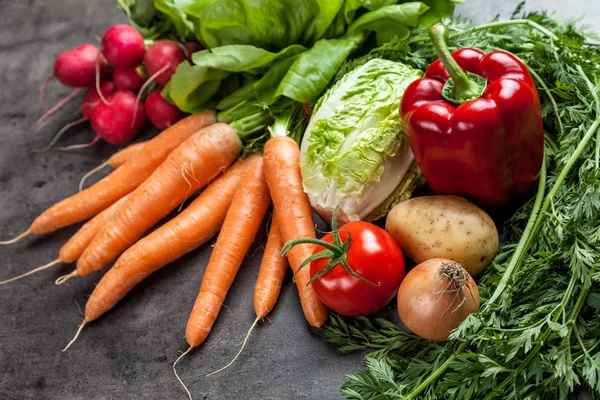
x=244 y=217
x=271 y=273
x=269 y=281
x=282 y=171
x=195 y=225
x=89 y=202
x=115 y=161
x=243 y=220
x=71 y=250
x=191 y=166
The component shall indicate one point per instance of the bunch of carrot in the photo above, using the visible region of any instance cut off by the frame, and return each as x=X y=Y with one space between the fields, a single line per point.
x=154 y=178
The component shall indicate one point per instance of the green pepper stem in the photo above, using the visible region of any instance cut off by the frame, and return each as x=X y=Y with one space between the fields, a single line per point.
x=438 y=38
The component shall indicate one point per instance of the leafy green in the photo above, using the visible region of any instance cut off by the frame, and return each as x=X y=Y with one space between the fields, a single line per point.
x=158 y=19
x=272 y=25
x=353 y=152
x=191 y=87
x=390 y=21
x=537 y=334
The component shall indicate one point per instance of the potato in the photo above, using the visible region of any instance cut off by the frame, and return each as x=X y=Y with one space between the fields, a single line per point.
x=447 y=227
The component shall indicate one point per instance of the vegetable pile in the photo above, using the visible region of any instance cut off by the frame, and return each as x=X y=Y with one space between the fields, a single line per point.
x=344 y=109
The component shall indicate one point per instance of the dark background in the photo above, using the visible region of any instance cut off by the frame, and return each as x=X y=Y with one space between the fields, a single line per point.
x=127 y=354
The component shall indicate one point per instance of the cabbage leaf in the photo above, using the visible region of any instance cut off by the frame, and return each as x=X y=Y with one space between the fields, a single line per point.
x=354 y=154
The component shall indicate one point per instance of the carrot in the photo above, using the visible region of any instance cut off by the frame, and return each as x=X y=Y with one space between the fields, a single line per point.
x=71 y=250
x=194 y=226
x=269 y=281
x=271 y=273
x=243 y=219
x=188 y=168
x=115 y=161
x=282 y=171
x=120 y=182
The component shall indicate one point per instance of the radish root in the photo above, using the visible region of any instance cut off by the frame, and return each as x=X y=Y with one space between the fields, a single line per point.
x=79 y=146
x=90 y=173
x=240 y=351
x=58 y=106
x=177 y=376
x=59 y=134
x=76 y=336
x=33 y=271
x=144 y=86
x=21 y=236
x=43 y=91
x=98 y=82
x=65 y=278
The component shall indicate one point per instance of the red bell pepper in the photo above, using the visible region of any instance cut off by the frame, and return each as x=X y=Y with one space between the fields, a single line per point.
x=474 y=124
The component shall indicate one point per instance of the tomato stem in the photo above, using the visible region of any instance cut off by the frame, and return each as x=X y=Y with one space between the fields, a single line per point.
x=336 y=252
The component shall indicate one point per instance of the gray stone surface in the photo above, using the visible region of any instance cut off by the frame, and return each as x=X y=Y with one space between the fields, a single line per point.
x=128 y=353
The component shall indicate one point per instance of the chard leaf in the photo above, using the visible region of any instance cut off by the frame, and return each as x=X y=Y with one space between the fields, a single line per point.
x=242 y=57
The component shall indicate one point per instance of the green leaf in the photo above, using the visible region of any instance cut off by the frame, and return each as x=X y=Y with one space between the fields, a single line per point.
x=313 y=70
x=182 y=25
x=242 y=57
x=390 y=21
x=191 y=87
x=438 y=10
x=268 y=24
x=266 y=87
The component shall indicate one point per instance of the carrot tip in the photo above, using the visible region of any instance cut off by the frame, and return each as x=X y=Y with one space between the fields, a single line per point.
x=90 y=173
x=65 y=278
x=177 y=376
x=33 y=271
x=240 y=351
x=21 y=236
x=76 y=336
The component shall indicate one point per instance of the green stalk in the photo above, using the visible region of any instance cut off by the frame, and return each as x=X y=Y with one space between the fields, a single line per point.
x=461 y=87
x=431 y=378
x=525 y=240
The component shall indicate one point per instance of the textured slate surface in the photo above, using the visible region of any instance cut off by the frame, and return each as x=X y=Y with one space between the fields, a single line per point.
x=128 y=353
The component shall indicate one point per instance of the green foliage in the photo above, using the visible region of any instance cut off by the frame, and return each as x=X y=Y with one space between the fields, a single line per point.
x=537 y=334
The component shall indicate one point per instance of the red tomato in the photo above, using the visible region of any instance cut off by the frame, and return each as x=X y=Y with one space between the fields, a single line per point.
x=374 y=255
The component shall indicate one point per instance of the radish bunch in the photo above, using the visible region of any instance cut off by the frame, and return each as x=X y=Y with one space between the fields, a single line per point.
x=117 y=77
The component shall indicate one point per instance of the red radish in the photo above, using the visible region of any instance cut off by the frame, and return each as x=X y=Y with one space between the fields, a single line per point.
x=160 y=112
x=190 y=48
x=113 y=121
x=90 y=102
x=129 y=78
x=123 y=46
x=162 y=58
x=76 y=68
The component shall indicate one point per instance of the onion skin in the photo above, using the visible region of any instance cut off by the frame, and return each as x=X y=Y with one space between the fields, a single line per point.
x=426 y=309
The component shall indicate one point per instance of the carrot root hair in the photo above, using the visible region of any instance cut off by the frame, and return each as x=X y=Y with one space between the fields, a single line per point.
x=65 y=278
x=90 y=173
x=80 y=146
x=76 y=335
x=33 y=271
x=175 y=371
x=244 y=343
x=21 y=236
x=59 y=134
x=58 y=106
x=141 y=92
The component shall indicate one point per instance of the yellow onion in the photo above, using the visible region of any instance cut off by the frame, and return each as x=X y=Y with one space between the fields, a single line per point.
x=435 y=297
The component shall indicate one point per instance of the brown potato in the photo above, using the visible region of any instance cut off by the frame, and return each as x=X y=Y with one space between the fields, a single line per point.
x=447 y=227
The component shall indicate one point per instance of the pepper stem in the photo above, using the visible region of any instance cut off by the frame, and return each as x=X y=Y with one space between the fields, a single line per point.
x=462 y=86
